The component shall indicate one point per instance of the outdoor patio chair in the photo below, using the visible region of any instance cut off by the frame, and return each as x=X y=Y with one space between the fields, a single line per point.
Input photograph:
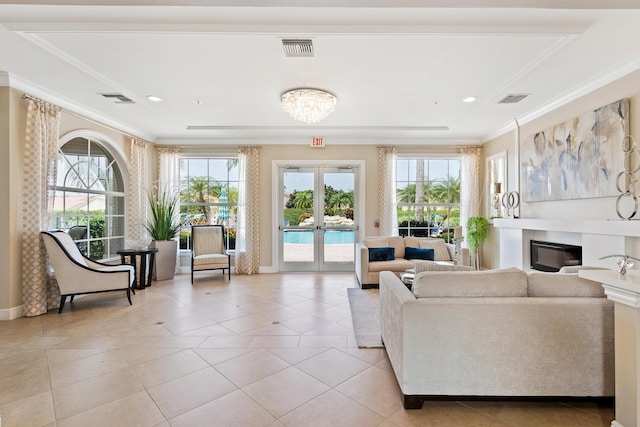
x=77 y=274
x=209 y=250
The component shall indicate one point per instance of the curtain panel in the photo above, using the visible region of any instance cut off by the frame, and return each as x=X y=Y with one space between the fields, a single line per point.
x=247 y=255
x=169 y=181
x=470 y=184
x=138 y=204
x=387 y=205
x=39 y=290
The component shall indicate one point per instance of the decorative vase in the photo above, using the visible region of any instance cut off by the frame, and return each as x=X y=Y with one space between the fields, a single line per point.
x=165 y=266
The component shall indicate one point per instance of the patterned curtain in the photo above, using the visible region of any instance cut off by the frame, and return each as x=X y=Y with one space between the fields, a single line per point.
x=169 y=180
x=470 y=184
x=39 y=290
x=138 y=204
x=387 y=191
x=248 y=222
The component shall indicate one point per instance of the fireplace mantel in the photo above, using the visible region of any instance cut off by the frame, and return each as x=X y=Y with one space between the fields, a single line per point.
x=597 y=238
x=614 y=227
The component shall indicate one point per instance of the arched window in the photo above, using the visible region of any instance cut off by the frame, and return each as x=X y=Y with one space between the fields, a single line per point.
x=88 y=198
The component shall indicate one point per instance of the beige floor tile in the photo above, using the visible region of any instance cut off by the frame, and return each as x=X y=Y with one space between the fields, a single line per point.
x=374 y=388
x=135 y=410
x=323 y=341
x=331 y=409
x=214 y=356
x=195 y=321
x=179 y=342
x=305 y=323
x=227 y=313
x=226 y=342
x=275 y=341
x=530 y=414
x=190 y=391
x=88 y=367
x=271 y=330
x=247 y=323
x=447 y=414
x=332 y=329
x=36 y=410
x=251 y=367
x=88 y=394
x=310 y=305
x=333 y=314
x=295 y=355
x=167 y=368
x=59 y=356
x=369 y=355
x=332 y=367
x=285 y=390
x=135 y=356
x=23 y=376
x=214 y=330
x=232 y=410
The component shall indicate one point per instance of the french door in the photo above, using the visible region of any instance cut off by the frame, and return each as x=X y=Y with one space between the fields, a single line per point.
x=317 y=225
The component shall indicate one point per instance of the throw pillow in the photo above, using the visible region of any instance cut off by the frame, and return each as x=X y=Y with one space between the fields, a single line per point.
x=382 y=254
x=439 y=246
x=419 y=253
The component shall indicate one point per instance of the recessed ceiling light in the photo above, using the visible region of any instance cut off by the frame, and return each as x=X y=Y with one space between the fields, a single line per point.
x=469 y=99
x=198 y=102
x=154 y=98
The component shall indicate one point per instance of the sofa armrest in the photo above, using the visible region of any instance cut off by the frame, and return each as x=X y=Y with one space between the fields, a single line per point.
x=465 y=258
x=361 y=261
x=393 y=297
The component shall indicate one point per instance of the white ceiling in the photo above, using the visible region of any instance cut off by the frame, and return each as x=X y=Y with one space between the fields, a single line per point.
x=398 y=68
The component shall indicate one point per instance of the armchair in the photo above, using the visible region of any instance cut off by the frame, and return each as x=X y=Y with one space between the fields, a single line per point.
x=77 y=274
x=209 y=251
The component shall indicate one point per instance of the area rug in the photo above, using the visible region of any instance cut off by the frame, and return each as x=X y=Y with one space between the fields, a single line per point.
x=365 y=313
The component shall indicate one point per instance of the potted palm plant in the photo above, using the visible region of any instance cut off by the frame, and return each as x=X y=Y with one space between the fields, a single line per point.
x=163 y=227
x=477 y=230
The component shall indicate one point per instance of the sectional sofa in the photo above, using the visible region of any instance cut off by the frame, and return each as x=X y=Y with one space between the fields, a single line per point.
x=368 y=270
x=498 y=333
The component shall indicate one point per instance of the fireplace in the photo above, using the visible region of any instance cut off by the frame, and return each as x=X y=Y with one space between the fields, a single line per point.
x=548 y=256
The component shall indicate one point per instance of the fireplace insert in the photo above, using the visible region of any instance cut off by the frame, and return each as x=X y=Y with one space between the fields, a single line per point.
x=549 y=256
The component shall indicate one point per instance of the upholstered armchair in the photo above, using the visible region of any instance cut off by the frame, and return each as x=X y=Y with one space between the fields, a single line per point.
x=209 y=250
x=77 y=274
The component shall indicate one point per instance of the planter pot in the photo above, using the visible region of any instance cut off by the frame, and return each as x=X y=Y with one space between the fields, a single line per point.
x=165 y=265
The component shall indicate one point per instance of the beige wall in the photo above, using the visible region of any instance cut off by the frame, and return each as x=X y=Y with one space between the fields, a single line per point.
x=581 y=209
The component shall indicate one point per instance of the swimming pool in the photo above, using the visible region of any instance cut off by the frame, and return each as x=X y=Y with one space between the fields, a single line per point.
x=330 y=237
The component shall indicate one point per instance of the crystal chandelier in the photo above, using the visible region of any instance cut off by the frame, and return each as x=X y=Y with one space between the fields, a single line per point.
x=308 y=105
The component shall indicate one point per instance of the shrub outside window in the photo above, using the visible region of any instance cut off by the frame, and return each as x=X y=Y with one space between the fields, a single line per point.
x=208 y=195
x=88 y=198
x=428 y=196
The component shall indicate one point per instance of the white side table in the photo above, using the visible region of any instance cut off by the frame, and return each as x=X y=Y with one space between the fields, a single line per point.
x=624 y=290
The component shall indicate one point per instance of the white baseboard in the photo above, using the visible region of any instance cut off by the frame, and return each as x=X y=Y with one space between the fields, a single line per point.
x=11 y=313
x=614 y=423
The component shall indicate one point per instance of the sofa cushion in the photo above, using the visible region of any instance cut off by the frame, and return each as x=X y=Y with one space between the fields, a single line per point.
x=397 y=242
x=510 y=282
x=419 y=253
x=376 y=242
x=439 y=247
x=382 y=254
x=398 y=265
x=543 y=284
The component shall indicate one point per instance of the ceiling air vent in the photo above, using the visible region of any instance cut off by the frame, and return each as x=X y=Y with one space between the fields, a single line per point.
x=118 y=98
x=297 y=47
x=513 y=98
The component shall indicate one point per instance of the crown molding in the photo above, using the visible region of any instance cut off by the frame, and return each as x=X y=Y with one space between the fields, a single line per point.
x=616 y=74
x=4 y=78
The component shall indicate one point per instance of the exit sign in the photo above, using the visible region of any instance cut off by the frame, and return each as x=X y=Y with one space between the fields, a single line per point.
x=317 y=141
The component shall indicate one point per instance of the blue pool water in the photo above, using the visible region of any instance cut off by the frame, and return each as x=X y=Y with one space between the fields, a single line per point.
x=330 y=237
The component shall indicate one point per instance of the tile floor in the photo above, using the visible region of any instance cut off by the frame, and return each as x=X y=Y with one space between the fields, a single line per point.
x=261 y=350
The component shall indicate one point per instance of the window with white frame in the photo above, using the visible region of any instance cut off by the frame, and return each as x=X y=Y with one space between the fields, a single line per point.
x=88 y=198
x=428 y=196
x=208 y=195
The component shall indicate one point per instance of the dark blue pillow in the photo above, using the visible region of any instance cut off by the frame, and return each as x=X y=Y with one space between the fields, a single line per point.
x=419 y=253
x=382 y=254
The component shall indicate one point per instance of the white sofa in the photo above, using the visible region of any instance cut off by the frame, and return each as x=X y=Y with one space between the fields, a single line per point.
x=502 y=333
x=368 y=271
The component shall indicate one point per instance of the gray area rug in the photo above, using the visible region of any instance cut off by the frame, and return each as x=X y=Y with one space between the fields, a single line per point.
x=365 y=313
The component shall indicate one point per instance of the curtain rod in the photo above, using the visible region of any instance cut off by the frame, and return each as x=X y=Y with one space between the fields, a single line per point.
x=80 y=116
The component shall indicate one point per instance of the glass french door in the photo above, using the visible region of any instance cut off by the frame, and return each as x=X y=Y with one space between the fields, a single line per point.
x=317 y=228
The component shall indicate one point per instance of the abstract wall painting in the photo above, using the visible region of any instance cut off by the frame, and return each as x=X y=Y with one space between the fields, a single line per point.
x=577 y=159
